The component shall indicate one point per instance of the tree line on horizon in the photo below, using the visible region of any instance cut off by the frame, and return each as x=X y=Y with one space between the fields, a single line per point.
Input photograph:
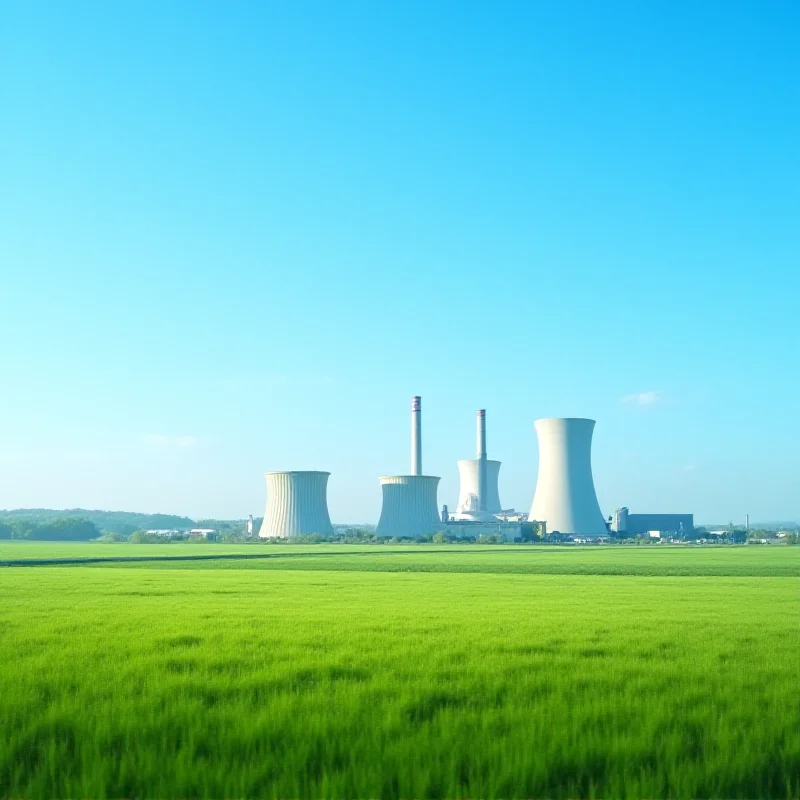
x=64 y=529
x=122 y=522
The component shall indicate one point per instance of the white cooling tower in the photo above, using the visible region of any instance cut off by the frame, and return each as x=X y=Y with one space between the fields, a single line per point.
x=478 y=497
x=469 y=492
x=565 y=497
x=410 y=508
x=297 y=504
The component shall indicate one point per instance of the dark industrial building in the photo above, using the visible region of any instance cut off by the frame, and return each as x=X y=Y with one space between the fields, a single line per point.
x=632 y=524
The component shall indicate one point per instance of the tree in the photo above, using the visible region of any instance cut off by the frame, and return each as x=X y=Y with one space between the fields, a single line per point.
x=113 y=536
x=65 y=530
x=5 y=531
x=143 y=537
x=22 y=529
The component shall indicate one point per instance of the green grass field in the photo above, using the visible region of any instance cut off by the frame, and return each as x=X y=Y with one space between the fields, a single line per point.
x=402 y=672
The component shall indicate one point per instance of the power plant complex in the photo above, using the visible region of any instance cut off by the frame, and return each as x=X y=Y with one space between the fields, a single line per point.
x=564 y=502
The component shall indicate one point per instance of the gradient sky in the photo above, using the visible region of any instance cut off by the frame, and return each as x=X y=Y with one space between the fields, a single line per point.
x=237 y=237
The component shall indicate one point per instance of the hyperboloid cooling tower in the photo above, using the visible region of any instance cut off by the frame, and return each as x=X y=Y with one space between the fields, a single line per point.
x=409 y=501
x=565 y=498
x=479 y=497
x=469 y=493
x=297 y=504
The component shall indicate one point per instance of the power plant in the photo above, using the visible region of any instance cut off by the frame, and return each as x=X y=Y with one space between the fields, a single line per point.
x=565 y=498
x=297 y=504
x=564 y=503
x=410 y=507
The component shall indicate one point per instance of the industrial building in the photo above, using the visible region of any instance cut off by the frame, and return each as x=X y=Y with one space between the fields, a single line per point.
x=565 y=497
x=410 y=508
x=297 y=504
x=636 y=524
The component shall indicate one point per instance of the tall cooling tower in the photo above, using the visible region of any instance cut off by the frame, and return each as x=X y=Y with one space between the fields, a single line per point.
x=410 y=508
x=565 y=497
x=297 y=504
x=469 y=488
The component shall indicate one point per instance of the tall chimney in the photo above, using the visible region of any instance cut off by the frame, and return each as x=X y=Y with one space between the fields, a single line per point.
x=416 y=436
x=482 y=460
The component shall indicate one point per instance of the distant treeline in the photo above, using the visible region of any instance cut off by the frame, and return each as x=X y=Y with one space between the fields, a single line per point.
x=123 y=522
x=64 y=529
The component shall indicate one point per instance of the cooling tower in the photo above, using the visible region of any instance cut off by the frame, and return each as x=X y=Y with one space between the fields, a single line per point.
x=565 y=498
x=297 y=504
x=410 y=508
x=478 y=497
x=469 y=492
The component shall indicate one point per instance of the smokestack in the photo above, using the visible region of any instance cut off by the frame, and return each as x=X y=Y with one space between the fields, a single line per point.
x=482 y=460
x=416 y=436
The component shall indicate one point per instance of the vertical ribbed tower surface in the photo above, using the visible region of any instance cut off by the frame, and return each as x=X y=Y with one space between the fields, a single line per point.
x=468 y=485
x=410 y=508
x=565 y=497
x=297 y=504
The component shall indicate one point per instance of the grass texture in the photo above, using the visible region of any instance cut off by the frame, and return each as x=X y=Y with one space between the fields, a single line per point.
x=361 y=673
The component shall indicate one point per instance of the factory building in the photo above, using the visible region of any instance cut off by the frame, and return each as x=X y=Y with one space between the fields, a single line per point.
x=565 y=497
x=410 y=506
x=297 y=504
x=636 y=524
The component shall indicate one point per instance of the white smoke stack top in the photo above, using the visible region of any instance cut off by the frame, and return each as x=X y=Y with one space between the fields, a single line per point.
x=482 y=493
x=416 y=435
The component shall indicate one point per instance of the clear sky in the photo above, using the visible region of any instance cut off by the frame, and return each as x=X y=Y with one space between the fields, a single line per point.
x=238 y=237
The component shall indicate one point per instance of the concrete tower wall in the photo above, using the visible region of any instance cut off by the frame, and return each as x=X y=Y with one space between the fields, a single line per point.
x=468 y=471
x=565 y=497
x=297 y=504
x=410 y=507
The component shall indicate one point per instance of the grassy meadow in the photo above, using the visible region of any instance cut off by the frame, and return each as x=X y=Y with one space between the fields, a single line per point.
x=402 y=672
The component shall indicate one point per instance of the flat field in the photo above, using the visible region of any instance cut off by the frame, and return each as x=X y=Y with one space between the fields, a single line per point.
x=402 y=672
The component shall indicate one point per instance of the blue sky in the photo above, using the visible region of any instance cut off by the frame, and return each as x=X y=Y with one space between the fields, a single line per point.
x=239 y=237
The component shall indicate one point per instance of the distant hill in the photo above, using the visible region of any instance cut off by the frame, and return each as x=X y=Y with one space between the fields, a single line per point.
x=125 y=522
